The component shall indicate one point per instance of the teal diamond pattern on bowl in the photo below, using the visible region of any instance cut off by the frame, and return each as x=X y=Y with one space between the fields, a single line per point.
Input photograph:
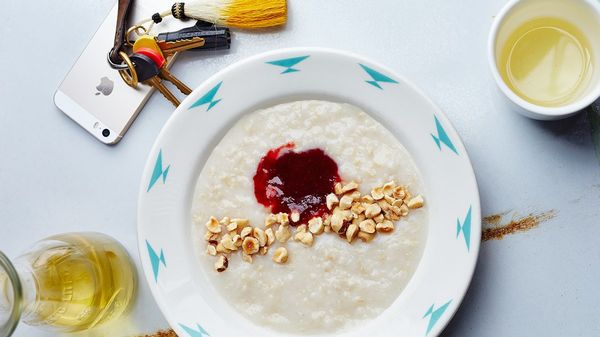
x=434 y=315
x=208 y=98
x=197 y=332
x=465 y=228
x=158 y=172
x=442 y=137
x=155 y=259
x=289 y=63
x=377 y=77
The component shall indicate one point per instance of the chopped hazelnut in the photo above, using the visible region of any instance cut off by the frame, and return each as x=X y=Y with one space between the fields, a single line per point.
x=224 y=221
x=237 y=240
x=346 y=202
x=213 y=225
x=385 y=227
x=351 y=232
x=372 y=211
x=367 y=199
x=299 y=231
x=241 y=223
x=398 y=203
x=209 y=236
x=404 y=210
x=305 y=237
x=250 y=245
x=270 y=236
x=228 y=243
x=355 y=195
x=342 y=231
x=399 y=193
x=283 y=218
x=211 y=250
x=246 y=257
x=263 y=250
x=327 y=229
x=389 y=199
x=379 y=218
x=221 y=264
x=283 y=234
x=337 y=188
x=271 y=219
x=295 y=216
x=396 y=210
x=388 y=188
x=365 y=237
x=416 y=202
x=367 y=226
x=351 y=186
x=383 y=205
x=245 y=232
x=377 y=193
x=281 y=255
x=393 y=214
x=232 y=226
x=347 y=215
x=337 y=220
x=260 y=235
x=221 y=249
x=331 y=201
x=357 y=208
x=315 y=225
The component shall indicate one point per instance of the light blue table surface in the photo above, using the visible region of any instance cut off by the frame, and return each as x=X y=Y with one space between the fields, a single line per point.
x=54 y=177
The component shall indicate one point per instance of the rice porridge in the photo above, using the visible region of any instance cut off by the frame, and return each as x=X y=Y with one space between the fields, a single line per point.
x=326 y=282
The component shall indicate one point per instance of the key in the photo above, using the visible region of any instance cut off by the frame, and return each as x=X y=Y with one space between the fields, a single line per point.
x=166 y=49
x=164 y=73
x=148 y=73
x=148 y=46
x=201 y=36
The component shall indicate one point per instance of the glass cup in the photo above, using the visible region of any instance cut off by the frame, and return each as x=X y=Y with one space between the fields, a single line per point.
x=66 y=283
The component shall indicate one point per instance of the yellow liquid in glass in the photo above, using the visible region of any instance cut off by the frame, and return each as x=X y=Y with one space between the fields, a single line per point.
x=82 y=281
x=547 y=62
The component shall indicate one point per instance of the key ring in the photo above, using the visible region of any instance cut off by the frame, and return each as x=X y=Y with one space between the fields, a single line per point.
x=129 y=75
x=139 y=30
x=117 y=66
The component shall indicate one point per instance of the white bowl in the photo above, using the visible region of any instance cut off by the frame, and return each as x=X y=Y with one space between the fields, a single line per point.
x=171 y=266
x=583 y=13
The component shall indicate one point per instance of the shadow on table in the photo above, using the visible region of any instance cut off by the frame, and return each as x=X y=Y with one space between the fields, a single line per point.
x=583 y=129
x=575 y=129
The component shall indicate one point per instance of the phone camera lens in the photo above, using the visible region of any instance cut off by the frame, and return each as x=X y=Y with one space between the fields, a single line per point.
x=106 y=132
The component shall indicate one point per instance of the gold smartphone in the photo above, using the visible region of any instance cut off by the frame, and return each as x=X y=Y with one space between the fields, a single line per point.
x=93 y=94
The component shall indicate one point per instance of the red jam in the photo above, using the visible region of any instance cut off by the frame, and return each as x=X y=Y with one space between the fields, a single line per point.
x=287 y=181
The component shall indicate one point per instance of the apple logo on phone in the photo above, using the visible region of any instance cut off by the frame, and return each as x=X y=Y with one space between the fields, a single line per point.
x=105 y=87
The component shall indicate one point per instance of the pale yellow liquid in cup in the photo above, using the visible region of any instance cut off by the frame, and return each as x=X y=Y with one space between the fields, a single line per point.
x=81 y=283
x=547 y=61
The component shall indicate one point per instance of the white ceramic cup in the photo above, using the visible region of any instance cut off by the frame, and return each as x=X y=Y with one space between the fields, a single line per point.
x=584 y=14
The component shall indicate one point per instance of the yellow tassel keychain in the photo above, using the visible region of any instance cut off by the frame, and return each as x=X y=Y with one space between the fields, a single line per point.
x=244 y=14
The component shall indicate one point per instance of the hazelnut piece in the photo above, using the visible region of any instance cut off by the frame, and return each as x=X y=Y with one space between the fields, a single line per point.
x=221 y=264
x=281 y=255
x=250 y=245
